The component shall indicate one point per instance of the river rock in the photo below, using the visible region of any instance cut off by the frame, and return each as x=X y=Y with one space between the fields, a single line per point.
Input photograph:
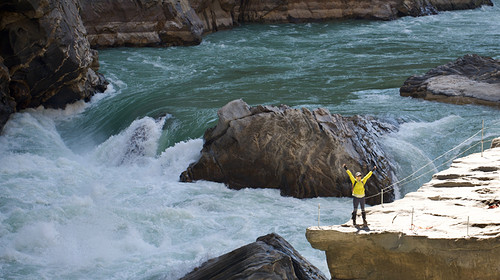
x=140 y=23
x=270 y=257
x=298 y=151
x=470 y=79
x=448 y=229
x=300 y=11
x=45 y=58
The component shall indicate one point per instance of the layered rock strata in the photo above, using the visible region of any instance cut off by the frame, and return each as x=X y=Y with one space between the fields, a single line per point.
x=470 y=79
x=221 y=14
x=140 y=23
x=45 y=58
x=169 y=22
x=299 y=11
x=298 y=151
x=270 y=257
x=448 y=229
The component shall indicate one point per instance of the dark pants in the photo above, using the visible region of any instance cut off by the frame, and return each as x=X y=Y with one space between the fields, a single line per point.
x=358 y=201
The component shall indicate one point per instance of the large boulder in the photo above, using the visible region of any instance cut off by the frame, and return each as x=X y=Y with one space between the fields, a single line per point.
x=140 y=23
x=295 y=150
x=469 y=79
x=270 y=257
x=45 y=58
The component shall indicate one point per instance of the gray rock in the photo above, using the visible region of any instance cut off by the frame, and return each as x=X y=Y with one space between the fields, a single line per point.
x=47 y=56
x=270 y=257
x=469 y=79
x=297 y=151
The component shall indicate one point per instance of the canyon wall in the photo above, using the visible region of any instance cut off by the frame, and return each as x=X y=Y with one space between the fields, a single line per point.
x=45 y=57
x=140 y=23
x=168 y=22
x=222 y=14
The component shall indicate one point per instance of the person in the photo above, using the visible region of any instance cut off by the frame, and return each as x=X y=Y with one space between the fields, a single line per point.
x=358 y=193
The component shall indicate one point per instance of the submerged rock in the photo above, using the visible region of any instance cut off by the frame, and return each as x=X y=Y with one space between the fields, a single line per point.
x=140 y=23
x=295 y=150
x=470 y=79
x=270 y=257
x=448 y=229
x=45 y=58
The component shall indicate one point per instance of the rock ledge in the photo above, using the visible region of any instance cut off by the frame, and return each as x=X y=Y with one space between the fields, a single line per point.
x=448 y=229
x=470 y=79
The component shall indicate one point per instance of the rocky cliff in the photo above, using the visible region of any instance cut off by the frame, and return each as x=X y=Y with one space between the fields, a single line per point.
x=45 y=58
x=221 y=14
x=448 y=229
x=140 y=23
x=296 y=151
x=469 y=79
x=169 y=22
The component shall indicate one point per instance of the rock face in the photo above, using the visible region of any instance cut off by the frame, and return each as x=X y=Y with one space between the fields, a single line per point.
x=217 y=15
x=140 y=23
x=297 y=151
x=45 y=58
x=448 y=229
x=169 y=22
x=270 y=257
x=469 y=79
x=221 y=14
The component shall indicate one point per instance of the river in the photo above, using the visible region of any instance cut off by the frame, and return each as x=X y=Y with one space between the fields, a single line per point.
x=84 y=196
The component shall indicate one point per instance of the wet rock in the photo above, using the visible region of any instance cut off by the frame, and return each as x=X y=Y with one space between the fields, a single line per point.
x=470 y=79
x=448 y=229
x=140 y=23
x=298 y=151
x=270 y=257
x=46 y=58
x=495 y=143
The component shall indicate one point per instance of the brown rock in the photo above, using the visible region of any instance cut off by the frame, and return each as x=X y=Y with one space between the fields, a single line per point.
x=448 y=229
x=140 y=23
x=270 y=257
x=47 y=55
x=297 y=151
x=469 y=79
x=223 y=14
x=495 y=143
x=299 y=11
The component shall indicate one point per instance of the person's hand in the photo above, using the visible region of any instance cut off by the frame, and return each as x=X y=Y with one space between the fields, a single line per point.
x=375 y=167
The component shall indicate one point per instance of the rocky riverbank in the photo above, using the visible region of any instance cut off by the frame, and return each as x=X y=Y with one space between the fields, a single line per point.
x=45 y=57
x=298 y=151
x=182 y=22
x=448 y=229
x=471 y=79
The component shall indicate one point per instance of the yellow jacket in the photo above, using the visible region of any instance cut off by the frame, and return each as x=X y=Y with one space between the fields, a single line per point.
x=358 y=187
